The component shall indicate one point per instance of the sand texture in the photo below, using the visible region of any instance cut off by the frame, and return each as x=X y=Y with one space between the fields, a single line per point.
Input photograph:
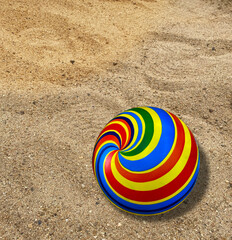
x=67 y=68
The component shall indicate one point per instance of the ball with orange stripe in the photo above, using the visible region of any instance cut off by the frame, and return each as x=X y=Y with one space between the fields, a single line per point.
x=146 y=161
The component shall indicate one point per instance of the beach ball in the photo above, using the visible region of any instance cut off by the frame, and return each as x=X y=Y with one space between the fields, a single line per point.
x=146 y=161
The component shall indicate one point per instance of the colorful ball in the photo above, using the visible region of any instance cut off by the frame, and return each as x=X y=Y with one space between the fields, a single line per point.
x=146 y=161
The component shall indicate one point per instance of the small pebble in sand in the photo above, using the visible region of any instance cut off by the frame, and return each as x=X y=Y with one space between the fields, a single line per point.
x=21 y=112
x=72 y=61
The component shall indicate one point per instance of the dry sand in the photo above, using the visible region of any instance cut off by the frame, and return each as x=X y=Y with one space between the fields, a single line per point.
x=67 y=68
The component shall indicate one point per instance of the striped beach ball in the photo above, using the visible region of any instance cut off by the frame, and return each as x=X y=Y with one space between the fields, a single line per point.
x=146 y=161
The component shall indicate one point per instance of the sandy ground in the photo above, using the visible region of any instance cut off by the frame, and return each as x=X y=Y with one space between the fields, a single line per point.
x=67 y=68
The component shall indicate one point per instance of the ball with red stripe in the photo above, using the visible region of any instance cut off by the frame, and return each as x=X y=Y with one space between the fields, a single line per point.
x=146 y=160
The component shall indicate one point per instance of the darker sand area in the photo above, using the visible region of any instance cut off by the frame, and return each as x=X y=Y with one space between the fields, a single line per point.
x=67 y=68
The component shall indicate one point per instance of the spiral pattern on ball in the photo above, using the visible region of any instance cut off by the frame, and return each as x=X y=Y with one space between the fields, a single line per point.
x=146 y=160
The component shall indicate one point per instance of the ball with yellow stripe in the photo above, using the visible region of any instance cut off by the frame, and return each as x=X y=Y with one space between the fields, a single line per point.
x=146 y=161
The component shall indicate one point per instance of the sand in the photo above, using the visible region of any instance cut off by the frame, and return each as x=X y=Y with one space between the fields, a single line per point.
x=67 y=68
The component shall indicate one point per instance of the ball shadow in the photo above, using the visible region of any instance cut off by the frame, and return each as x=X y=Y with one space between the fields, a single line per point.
x=190 y=202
